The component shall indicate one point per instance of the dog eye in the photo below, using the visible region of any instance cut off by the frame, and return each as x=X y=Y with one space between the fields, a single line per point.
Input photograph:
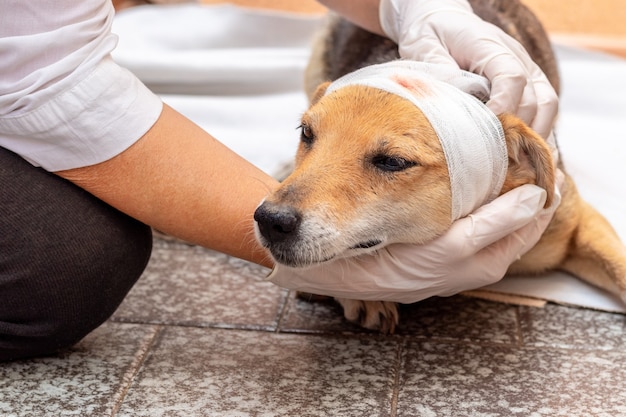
x=391 y=163
x=306 y=135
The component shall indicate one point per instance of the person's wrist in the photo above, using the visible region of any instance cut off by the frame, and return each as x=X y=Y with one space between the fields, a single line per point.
x=389 y=18
x=393 y=13
x=450 y=5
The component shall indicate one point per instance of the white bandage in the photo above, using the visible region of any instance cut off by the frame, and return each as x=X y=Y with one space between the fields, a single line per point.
x=470 y=134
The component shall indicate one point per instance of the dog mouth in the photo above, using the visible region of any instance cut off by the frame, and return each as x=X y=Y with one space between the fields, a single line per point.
x=289 y=258
x=299 y=262
x=367 y=244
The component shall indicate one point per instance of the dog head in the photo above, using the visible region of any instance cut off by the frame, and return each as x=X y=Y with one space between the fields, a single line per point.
x=370 y=170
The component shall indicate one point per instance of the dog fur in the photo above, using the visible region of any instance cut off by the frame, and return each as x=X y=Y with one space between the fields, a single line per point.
x=353 y=192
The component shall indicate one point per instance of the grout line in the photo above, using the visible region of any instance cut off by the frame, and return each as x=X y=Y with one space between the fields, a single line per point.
x=520 y=334
x=396 y=380
x=133 y=370
x=283 y=311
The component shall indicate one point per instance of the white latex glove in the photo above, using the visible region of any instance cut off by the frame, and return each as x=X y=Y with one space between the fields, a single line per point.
x=465 y=258
x=448 y=32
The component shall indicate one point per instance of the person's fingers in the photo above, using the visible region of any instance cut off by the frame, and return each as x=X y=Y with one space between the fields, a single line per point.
x=510 y=89
x=547 y=105
x=490 y=264
x=428 y=48
x=525 y=238
x=519 y=86
x=494 y=220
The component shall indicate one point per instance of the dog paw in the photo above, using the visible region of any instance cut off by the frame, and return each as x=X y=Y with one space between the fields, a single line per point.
x=374 y=315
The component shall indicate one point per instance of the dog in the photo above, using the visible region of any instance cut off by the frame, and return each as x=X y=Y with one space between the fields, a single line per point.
x=349 y=194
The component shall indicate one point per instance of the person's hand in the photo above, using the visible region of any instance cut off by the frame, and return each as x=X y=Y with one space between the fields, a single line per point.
x=448 y=32
x=476 y=251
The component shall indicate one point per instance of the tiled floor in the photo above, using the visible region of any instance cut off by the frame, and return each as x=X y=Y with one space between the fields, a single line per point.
x=203 y=335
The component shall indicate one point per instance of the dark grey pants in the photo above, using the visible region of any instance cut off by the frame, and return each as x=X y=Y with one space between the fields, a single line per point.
x=67 y=260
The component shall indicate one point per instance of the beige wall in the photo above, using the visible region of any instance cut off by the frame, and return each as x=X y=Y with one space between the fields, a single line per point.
x=594 y=24
x=303 y=6
x=600 y=17
x=592 y=17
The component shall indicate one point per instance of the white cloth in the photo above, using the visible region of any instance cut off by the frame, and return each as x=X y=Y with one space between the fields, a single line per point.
x=228 y=50
x=63 y=102
x=470 y=134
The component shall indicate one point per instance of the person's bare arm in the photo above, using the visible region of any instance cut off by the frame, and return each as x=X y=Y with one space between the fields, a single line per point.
x=180 y=180
x=363 y=13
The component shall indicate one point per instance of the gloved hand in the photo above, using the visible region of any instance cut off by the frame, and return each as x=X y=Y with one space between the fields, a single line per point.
x=448 y=32
x=476 y=251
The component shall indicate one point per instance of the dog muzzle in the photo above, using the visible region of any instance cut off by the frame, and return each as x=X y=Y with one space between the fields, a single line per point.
x=471 y=135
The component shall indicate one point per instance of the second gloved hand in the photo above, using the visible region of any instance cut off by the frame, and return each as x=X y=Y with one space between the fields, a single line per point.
x=476 y=251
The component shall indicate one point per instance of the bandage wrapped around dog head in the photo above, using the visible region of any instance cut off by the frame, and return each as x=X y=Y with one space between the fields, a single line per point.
x=470 y=134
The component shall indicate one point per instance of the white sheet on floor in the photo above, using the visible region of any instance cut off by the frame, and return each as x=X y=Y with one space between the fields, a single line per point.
x=237 y=73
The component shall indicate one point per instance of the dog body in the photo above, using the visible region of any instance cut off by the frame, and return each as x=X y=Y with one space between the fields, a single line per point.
x=370 y=171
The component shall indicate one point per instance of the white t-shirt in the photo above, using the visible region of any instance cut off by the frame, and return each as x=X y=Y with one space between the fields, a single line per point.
x=64 y=103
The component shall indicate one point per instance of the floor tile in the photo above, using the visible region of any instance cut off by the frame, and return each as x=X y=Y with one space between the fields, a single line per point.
x=315 y=315
x=470 y=380
x=84 y=381
x=459 y=318
x=216 y=372
x=571 y=327
x=188 y=285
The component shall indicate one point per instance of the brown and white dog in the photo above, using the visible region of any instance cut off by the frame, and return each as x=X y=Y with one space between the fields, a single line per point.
x=349 y=193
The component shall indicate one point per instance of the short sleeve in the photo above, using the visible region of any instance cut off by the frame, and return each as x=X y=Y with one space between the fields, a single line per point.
x=68 y=104
x=98 y=118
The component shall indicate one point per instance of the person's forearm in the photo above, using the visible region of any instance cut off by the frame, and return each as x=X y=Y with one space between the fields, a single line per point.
x=181 y=181
x=363 y=13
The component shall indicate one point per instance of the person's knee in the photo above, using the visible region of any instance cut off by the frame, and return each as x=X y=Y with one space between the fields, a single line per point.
x=68 y=259
x=70 y=291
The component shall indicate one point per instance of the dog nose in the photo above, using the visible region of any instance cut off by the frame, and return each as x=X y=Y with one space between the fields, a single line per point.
x=277 y=222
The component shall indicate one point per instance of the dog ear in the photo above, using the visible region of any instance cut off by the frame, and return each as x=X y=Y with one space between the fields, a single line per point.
x=530 y=158
x=319 y=92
